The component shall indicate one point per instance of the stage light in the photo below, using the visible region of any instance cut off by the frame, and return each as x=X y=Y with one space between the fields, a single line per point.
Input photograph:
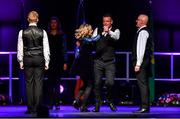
x=61 y=89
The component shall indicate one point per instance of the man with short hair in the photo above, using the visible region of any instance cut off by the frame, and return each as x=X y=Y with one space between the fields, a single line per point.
x=33 y=56
x=105 y=60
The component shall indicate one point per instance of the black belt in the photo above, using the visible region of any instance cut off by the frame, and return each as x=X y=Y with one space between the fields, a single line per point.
x=33 y=53
x=108 y=60
x=33 y=48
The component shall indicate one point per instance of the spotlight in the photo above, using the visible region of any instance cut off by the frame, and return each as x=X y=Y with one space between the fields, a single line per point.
x=61 y=89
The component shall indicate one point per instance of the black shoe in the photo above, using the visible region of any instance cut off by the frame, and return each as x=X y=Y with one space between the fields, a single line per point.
x=84 y=109
x=142 y=110
x=112 y=107
x=97 y=107
x=76 y=104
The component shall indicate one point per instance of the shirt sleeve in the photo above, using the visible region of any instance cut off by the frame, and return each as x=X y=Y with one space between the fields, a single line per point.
x=20 y=48
x=46 y=50
x=92 y=39
x=141 y=45
x=95 y=33
x=115 y=35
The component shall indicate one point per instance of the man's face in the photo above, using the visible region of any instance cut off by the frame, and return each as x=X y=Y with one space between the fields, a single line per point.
x=54 y=24
x=107 y=21
x=139 y=22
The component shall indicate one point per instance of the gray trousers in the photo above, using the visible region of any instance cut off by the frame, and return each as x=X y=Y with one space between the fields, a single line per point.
x=101 y=67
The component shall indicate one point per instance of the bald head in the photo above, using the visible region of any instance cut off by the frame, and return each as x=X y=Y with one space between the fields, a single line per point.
x=142 y=20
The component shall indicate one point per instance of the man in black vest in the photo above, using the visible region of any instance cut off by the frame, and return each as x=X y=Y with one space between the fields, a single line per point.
x=141 y=55
x=105 y=60
x=33 y=56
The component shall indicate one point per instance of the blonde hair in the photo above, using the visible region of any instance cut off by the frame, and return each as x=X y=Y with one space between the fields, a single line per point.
x=33 y=16
x=84 y=30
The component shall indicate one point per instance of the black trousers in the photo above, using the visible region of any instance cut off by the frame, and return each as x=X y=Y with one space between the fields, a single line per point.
x=22 y=88
x=34 y=74
x=54 y=75
x=99 y=68
x=142 y=80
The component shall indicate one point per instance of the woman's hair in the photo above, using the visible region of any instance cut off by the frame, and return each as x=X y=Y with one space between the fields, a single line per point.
x=58 y=22
x=84 y=30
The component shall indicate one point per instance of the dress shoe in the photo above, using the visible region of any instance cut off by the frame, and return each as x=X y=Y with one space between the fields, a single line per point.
x=112 y=107
x=76 y=104
x=142 y=110
x=84 y=109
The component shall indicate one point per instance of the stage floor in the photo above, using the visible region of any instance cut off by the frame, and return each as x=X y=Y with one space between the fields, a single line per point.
x=70 y=112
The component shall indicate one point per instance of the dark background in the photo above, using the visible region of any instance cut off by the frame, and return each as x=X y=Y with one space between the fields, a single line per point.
x=164 y=16
x=124 y=14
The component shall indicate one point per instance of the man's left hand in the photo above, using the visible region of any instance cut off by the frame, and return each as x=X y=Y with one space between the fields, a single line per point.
x=137 y=68
x=46 y=67
x=106 y=28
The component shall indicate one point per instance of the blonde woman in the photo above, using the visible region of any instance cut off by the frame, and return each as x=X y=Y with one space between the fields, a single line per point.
x=83 y=66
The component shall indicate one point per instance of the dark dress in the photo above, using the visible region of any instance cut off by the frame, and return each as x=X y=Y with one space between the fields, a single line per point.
x=58 y=58
x=83 y=66
x=84 y=61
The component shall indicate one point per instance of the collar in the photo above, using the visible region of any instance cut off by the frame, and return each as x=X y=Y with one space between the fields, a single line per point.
x=110 y=28
x=141 y=27
x=32 y=24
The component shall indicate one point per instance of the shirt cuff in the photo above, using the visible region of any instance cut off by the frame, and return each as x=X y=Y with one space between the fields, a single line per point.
x=46 y=63
x=21 y=62
x=110 y=32
x=138 y=63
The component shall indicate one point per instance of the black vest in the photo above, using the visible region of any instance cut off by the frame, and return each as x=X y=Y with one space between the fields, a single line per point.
x=148 y=49
x=33 y=41
x=105 y=47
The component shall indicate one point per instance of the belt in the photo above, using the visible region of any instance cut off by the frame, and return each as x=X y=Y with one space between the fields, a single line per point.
x=33 y=53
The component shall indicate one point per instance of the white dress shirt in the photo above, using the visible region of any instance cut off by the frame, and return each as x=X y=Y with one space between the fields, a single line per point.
x=113 y=34
x=20 y=46
x=141 y=45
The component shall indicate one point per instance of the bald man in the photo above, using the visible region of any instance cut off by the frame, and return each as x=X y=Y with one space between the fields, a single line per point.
x=142 y=51
x=33 y=56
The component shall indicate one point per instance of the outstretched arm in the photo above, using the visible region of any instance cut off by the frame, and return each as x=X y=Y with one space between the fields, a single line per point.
x=92 y=39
